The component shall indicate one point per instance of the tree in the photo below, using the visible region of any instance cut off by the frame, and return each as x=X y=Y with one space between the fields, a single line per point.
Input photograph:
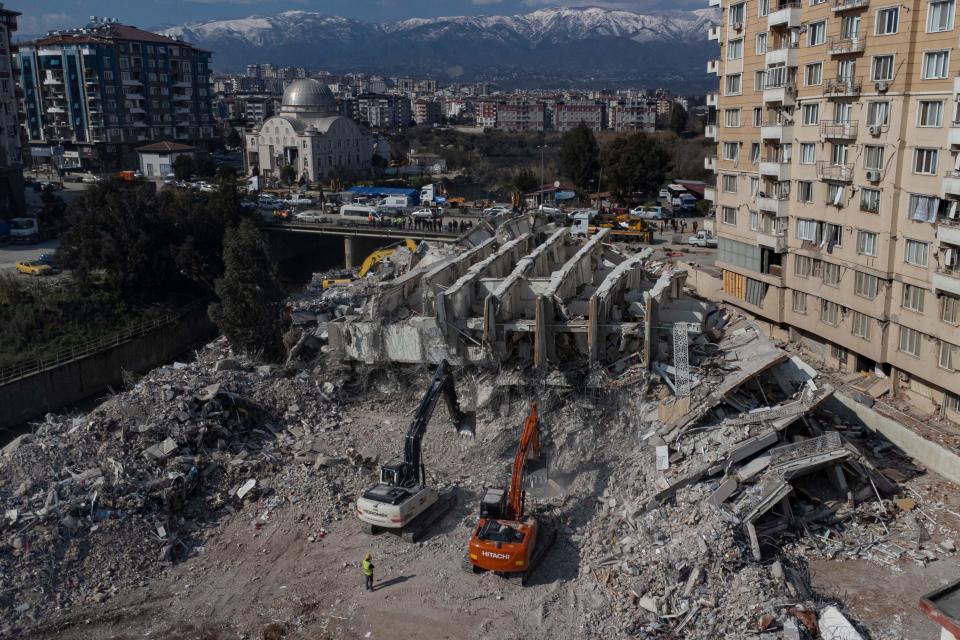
x=116 y=229
x=634 y=163
x=678 y=118
x=233 y=139
x=579 y=156
x=183 y=166
x=288 y=173
x=250 y=296
x=524 y=181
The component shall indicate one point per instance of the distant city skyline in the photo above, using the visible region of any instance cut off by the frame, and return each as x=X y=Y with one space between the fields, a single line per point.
x=40 y=16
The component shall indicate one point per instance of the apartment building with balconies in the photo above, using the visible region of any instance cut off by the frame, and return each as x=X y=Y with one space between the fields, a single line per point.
x=93 y=94
x=838 y=181
x=11 y=162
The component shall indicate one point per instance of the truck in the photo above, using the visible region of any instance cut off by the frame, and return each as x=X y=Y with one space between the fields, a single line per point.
x=688 y=203
x=432 y=194
x=24 y=230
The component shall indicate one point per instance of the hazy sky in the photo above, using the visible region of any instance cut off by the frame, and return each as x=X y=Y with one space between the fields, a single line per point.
x=41 y=15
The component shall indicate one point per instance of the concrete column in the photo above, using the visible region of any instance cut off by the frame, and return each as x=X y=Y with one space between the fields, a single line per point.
x=348 y=252
x=841 y=481
x=593 y=326
x=540 y=333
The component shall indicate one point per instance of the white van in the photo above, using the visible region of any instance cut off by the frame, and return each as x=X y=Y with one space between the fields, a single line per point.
x=357 y=213
x=396 y=201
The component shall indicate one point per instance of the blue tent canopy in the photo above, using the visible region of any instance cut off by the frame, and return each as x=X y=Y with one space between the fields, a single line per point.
x=385 y=191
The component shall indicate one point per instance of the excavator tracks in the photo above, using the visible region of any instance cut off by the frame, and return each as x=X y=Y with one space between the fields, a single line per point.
x=546 y=536
x=414 y=531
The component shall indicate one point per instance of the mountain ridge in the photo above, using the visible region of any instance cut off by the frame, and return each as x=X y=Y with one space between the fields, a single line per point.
x=598 y=46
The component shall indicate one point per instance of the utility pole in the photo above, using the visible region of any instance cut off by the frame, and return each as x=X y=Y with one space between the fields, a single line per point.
x=540 y=190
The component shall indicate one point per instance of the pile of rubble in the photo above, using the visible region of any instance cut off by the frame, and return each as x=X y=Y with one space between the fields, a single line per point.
x=97 y=503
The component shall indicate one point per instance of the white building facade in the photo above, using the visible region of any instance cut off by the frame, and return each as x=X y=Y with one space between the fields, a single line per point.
x=308 y=135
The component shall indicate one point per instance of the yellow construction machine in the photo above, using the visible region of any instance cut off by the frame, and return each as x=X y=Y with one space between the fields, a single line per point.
x=374 y=259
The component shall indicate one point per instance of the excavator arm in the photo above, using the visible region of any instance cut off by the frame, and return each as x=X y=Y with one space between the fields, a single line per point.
x=529 y=439
x=441 y=385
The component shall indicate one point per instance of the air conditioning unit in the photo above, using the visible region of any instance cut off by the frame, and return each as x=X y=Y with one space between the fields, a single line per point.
x=737 y=26
x=873 y=175
x=875 y=130
x=882 y=87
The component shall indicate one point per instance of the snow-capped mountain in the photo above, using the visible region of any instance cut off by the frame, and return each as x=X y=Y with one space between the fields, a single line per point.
x=590 y=45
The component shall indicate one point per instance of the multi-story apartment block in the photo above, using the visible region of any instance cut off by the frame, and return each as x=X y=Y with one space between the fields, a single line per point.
x=569 y=114
x=382 y=110
x=521 y=114
x=426 y=112
x=11 y=164
x=91 y=95
x=838 y=189
x=632 y=114
x=487 y=114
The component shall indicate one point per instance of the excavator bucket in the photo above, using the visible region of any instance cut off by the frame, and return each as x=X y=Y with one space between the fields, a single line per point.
x=467 y=426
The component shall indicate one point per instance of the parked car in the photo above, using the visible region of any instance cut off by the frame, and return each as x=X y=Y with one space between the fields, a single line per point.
x=89 y=178
x=48 y=258
x=34 y=268
x=649 y=212
x=311 y=216
x=664 y=194
x=423 y=214
x=545 y=208
x=702 y=239
x=491 y=212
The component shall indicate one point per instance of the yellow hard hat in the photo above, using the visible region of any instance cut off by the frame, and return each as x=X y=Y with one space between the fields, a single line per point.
x=368 y=557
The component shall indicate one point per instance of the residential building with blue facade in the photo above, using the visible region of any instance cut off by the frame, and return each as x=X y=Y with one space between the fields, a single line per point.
x=91 y=95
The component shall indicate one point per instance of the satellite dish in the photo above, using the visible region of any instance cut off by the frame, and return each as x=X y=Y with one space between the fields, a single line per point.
x=556 y=185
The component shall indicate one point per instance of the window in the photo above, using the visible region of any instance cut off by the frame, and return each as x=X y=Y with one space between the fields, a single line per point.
x=806 y=229
x=735 y=49
x=925 y=161
x=731 y=118
x=754 y=220
x=940 y=15
x=737 y=13
x=759 y=80
x=861 y=325
x=838 y=154
x=866 y=243
x=873 y=156
x=948 y=356
x=764 y=7
x=913 y=298
x=754 y=152
x=878 y=113
x=733 y=84
x=816 y=33
x=811 y=113
x=808 y=153
x=728 y=183
x=935 y=65
x=870 y=200
x=799 y=301
x=835 y=194
x=758 y=116
x=866 y=285
x=731 y=151
x=831 y=274
x=910 y=341
x=761 y=43
x=915 y=253
x=829 y=313
x=888 y=21
x=951 y=401
x=813 y=74
x=804 y=191
x=754 y=185
x=850 y=27
x=930 y=113
x=803 y=266
x=923 y=208
x=729 y=215
x=950 y=309
x=882 y=68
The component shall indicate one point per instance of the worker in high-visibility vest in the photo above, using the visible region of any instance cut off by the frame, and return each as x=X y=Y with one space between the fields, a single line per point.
x=368 y=570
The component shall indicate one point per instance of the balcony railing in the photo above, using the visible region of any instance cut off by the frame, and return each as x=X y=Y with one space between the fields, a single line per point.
x=834 y=172
x=838 y=130
x=841 y=46
x=842 y=87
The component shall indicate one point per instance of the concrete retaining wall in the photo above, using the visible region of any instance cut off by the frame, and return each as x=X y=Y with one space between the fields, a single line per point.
x=931 y=455
x=29 y=398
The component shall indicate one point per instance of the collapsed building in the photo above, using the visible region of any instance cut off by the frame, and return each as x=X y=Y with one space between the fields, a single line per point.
x=536 y=295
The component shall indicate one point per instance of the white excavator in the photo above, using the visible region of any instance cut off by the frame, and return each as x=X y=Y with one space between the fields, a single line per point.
x=402 y=502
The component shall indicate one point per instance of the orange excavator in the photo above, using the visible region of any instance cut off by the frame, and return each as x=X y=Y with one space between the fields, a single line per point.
x=506 y=540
